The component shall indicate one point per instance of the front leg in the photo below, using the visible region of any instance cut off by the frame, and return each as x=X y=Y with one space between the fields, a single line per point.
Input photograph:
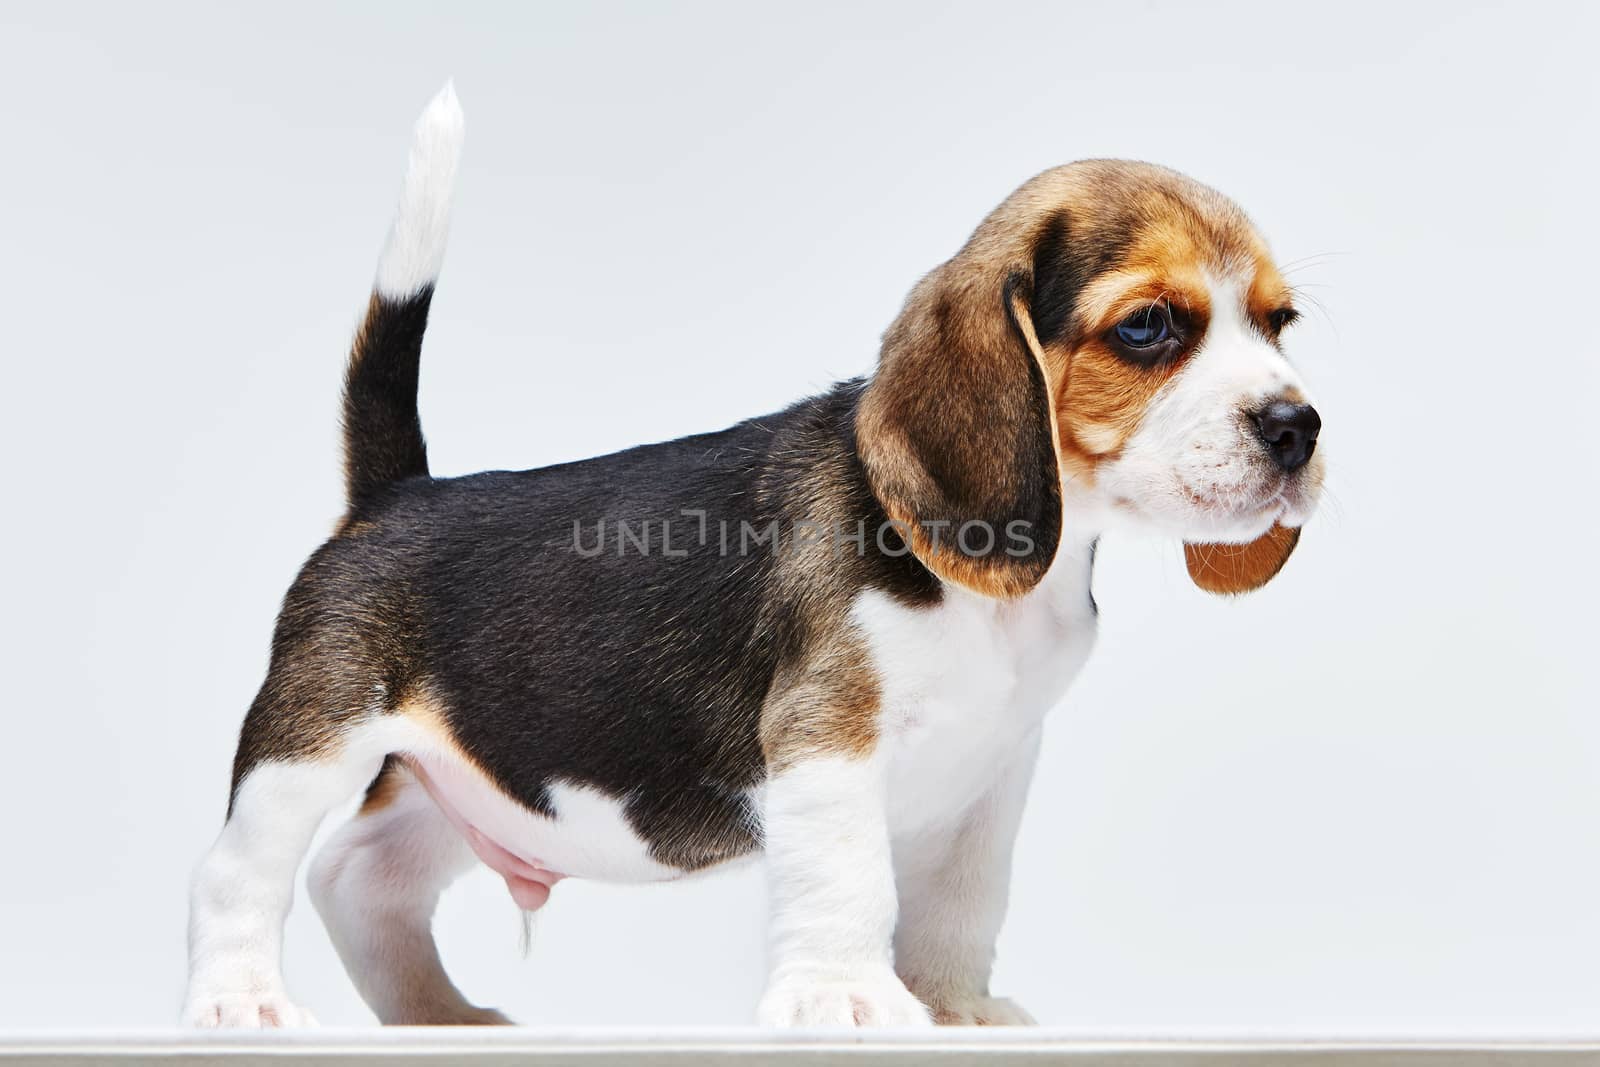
x=953 y=885
x=833 y=898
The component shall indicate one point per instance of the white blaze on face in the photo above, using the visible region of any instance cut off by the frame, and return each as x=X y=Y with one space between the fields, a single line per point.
x=1196 y=466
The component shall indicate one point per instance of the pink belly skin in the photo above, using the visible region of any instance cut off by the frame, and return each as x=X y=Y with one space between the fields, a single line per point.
x=528 y=882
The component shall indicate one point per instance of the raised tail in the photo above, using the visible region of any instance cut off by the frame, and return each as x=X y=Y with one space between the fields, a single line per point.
x=382 y=431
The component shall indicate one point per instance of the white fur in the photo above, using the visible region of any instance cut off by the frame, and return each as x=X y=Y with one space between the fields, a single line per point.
x=243 y=887
x=414 y=252
x=241 y=892
x=953 y=882
x=831 y=878
x=375 y=884
x=966 y=683
x=913 y=846
x=1195 y=468
x=590 y=837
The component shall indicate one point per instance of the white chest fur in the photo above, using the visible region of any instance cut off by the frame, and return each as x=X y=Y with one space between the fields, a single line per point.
x=967 y=681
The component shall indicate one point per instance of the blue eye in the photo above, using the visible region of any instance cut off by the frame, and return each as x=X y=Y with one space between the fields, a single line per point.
x=1145 y=328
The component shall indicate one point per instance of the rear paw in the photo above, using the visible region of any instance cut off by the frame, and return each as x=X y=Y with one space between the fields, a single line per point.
x=245 y=1011
x=981 y=1011
x=873 y=997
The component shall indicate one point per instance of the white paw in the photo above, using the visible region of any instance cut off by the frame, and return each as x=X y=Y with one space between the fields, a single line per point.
x=871 y=997
x=981 y=1011
x=245 y=1011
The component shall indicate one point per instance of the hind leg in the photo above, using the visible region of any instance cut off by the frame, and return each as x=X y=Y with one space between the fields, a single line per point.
x=242 y=890
x=376 y=884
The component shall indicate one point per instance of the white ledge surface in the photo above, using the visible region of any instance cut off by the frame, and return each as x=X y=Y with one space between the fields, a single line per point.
x=684 y=1048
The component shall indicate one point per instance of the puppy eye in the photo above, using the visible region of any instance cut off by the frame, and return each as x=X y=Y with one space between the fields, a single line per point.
x=1145 y=328
x=1281 y=319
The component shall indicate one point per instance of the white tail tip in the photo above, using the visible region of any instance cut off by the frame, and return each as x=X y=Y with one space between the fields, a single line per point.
x=415 y=250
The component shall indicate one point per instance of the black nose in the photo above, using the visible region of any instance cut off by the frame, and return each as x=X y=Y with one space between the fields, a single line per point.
x=1290 y=432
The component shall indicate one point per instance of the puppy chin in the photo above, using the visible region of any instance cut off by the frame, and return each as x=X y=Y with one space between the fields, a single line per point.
x=1301 y=495
x=1173 y=516
x=1298 y=512
x=1239 y=511
x=1292 y=504
x=1239 y=529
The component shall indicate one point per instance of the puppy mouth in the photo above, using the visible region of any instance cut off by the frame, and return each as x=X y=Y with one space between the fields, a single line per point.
x=1269 y=501
x=1246 y=512
x=1293 y=500
x=1298 y=500
x=1236 y=508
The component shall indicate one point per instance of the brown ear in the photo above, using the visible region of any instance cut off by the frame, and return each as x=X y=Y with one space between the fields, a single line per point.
x=956 y=431
x=1230 y=569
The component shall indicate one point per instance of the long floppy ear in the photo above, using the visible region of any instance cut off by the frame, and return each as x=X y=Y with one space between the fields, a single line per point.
x=957 y=435
x=1230 y=569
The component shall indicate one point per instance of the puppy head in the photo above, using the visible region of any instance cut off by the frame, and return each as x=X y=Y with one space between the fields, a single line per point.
x=1110 y=336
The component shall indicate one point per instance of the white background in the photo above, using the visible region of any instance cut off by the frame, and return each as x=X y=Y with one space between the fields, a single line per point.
x=1362 y=801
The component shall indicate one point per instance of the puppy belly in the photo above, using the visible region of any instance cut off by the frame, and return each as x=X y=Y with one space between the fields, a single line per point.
x=589 y=835
x=528 y=881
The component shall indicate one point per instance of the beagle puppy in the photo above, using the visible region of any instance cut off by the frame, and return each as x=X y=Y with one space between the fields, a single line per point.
x=827 y=635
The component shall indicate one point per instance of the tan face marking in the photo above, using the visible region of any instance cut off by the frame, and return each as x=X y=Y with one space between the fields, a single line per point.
x=1267 y=294
x=1179 y=240
x=950 y=427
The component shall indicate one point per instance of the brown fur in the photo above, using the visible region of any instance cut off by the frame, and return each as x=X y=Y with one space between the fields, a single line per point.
x=390 y=782
x=826 y=706
x=957 y=426
x=1268 y=292
x=950 y=408
x=1230 y=569
x=825 y=700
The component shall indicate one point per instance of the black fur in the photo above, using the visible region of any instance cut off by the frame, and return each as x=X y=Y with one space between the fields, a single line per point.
x=1068 y=254
x=638 y=672
x=1039 y=499
x=382 y=432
